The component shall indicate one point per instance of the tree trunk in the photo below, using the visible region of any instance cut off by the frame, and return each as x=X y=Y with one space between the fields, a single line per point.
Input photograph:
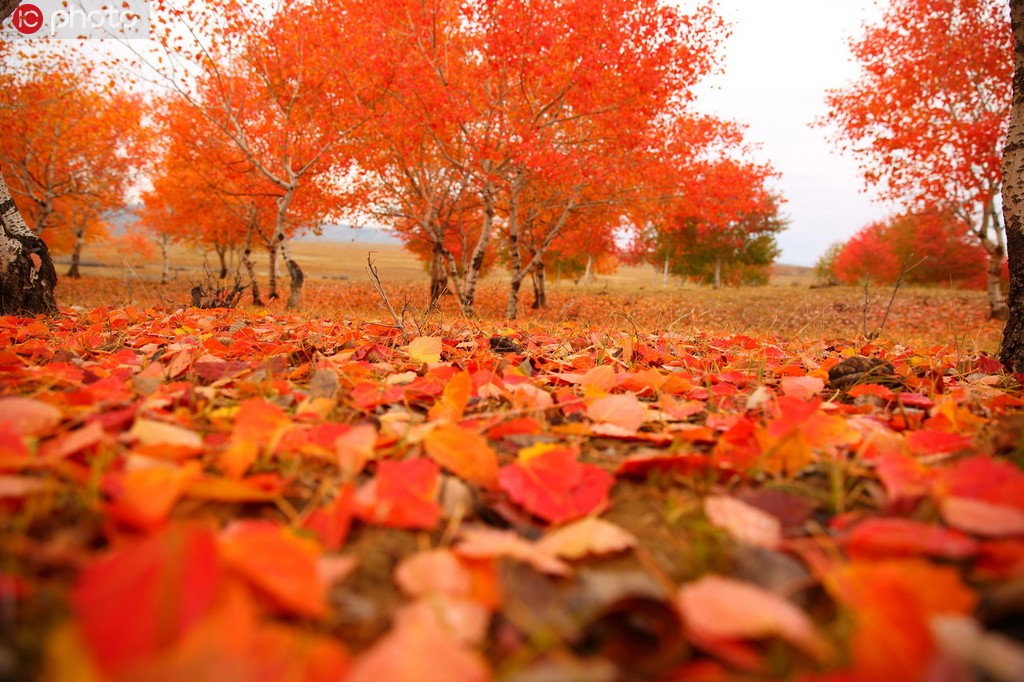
x=718 y=274
x=27 y=275
x=664 y=274
x=1012 y=352
x=588 y=274
x=540 y=294
x=222 y=257
x=272 y=264
x=165 y=258
x=476 y=262
x=250 y=267
x=438 y=274
x=76 y=254
x=295 y=276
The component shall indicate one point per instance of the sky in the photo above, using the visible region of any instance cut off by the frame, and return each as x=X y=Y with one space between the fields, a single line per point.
x=781 y=58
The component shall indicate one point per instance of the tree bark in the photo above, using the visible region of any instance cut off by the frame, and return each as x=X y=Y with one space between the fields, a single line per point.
x=27 y=275
x=438 y=274
x=540 y=294
x=75 y=272
x=1012 y=352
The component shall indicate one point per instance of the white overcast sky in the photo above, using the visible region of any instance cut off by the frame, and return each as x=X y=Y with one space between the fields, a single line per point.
x=780 y=59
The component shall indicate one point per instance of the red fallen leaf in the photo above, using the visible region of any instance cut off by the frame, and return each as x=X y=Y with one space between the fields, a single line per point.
x=137 y=601
x=332 y=521
x=982 y=518
x=875 y=390
x=918 y=400
x=687 y=466
x=718 y=609
x=454 y=398
x=401 y=654
x=622 y=410
x=929 y=442
x=28 y=417
x=737 y=448
x=13 y=451
x=548 y=482
x=904 y=477
x=144 y=495
x=403 y=495
x=463 y=452
x=280 y=564
x=742 y=521
x=895 y=537
x=519 y=426
x=1000 y=560
x=983 y=478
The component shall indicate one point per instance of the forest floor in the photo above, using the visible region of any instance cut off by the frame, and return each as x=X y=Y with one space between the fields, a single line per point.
x=636 y=483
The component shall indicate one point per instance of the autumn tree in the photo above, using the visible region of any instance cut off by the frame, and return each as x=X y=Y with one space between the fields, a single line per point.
x=550 y=101
x=72 y=156
x=928 y=248
x=27 y=275
x=928 y=112
x=259 y=75
x=1012 y=352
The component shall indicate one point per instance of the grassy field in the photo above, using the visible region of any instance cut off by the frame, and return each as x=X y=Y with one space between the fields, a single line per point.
x=634 y=297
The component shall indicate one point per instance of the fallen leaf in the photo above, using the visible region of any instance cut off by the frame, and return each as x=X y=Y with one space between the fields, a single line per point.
x=547 y=481
x=719 y=609
x=895 y=537
x=137 y=601
x=982 y=518
x=280 y=564
x=488 y=543
x=27 y=416
x=425 y=350
x=463 y=452
x=588 y=536
x=625 y=411
x=403 y=495
x=742 y=521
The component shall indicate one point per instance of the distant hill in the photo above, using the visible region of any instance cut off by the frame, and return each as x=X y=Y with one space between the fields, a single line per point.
x=346 y=234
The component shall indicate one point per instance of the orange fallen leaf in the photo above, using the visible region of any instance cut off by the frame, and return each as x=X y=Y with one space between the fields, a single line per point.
x=463 y=452
x=425 y=349
x=982 y=518
x=280 y=564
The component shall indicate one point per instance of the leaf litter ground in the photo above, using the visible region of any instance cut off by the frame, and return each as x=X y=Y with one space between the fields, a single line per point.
x=228 y=494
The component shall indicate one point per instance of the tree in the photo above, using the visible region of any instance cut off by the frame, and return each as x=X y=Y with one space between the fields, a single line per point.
x=260 y=76
x=1012 y=352
x=72 y=149
x=537 y=110
x=927 y=248
x=929 y=110
x=27 y=275
x=825 y=266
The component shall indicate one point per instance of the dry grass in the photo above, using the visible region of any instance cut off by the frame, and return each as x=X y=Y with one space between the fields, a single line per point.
x=633 y=298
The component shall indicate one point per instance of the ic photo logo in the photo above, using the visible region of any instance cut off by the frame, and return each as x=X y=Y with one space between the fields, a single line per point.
x=78 y=19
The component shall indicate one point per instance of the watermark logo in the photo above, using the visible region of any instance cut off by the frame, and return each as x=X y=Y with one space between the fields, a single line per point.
x=78 y=19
